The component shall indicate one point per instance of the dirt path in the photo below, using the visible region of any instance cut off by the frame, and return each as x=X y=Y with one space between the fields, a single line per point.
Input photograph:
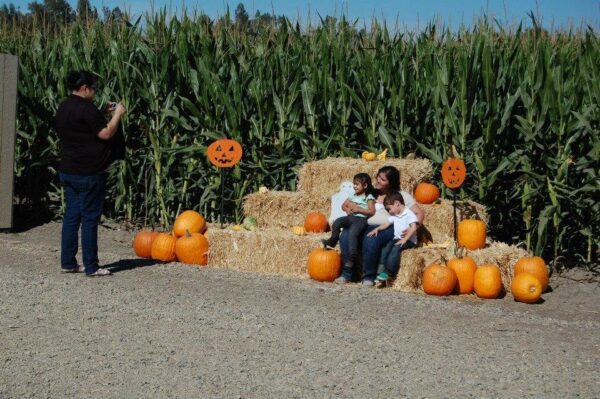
x=178 y=331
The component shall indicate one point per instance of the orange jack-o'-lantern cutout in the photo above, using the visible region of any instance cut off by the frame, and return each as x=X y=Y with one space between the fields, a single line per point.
x=224 y=153
x=454 y=172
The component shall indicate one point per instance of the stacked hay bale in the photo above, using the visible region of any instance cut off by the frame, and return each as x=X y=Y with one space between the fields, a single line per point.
x=274 y=249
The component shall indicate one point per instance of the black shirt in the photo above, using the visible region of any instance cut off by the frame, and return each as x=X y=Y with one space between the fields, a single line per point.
x=82 y=152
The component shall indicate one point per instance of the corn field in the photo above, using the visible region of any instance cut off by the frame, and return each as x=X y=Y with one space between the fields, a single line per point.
x=521 y=106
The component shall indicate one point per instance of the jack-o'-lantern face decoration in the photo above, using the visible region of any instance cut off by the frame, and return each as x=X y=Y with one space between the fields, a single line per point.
x=224 y=153
x=454 y=172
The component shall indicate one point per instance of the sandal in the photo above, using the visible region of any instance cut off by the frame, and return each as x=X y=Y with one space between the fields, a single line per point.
x=100 y=272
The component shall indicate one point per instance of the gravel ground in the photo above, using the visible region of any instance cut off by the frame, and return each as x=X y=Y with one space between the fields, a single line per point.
x=170 y=330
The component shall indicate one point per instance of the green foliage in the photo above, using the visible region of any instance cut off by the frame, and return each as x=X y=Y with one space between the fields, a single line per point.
x=521 y=107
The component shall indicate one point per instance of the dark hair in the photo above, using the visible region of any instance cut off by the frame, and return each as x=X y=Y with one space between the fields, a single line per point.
x=392 y=197
x=364 y=178
x=76 y=79
x=393 y=176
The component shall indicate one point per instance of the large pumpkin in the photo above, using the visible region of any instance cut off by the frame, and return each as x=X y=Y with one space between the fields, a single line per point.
x=163 y=247
x=315 y=222
x=464 y=268
x=471 y=234
x=224 y=153
x=438 y=280
x=324 y=264
x=426 y=193
x=190 y=221
x=454 y=172
x=142 y=243
x=488 y=281
x=533 y=265
x=192 y=249
x=525 y=287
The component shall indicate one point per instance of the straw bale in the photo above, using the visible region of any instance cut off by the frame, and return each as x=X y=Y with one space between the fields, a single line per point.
x=413 y=262
x=283 y=208
x=270 y=251
x=324 y=177
x=438 y=225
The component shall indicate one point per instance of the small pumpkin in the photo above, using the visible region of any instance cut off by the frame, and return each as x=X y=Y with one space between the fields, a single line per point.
x=382 y=155
x=454 y=172
x=224 y=153
x=298 y=230
x=142 y=243
x=488 y=281
x=263 y=190
x=190 y=221
x=163 y=247
x=471 y=234
x=426 y=193
x=464 y=268
x=192 y=249
x=250 y=223
x=368 y=156
x=315 y=222
x=324 y=264
x=237 y=227
x=533 y=265
x=526 y=287
x=438 y=280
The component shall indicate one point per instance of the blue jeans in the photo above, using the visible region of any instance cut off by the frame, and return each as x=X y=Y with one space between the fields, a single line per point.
x=391 y=256
x=84 y=195
x=371 y=250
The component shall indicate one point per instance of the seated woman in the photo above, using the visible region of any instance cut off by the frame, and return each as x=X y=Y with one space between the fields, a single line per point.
x=386 y=181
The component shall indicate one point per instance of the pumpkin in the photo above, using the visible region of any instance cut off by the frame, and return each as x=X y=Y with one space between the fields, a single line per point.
x=192 y=249
x=488 y=281
x=324 y=264
x=426 y=193
x=263 y=190
x=471 y=234
x=368 y=156
x=526 y=287
x=298 y=230
x=382 y=155
x=142 y=243
x=315 y=222
x=464 y=268
x=250 y=223
x=237 y=227
x=224 y=153
x=454 y=172
x=438 y=280
x=533 y=265
x=163 y=247
x=190 y=221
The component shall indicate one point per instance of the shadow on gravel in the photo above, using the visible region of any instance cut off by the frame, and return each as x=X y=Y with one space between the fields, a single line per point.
x=128 y=264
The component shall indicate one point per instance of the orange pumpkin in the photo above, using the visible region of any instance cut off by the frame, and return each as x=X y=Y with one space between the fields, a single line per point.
x=464 y=268
x=426 y=193
x=192 y=249
x=315 y=222
x=324 y=264
x=525 y=287
x=163 y=247
x=488 y=281
x=438 y=280
x=142 y=243
x=190 y=221
x=534 y=265
x=224 y=153
x=471 y=234
x=454 y=172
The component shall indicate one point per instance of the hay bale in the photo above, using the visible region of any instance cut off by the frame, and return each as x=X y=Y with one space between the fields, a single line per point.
x=271 y=251
x=323 y=177
x=438 y=225
x=283 y=209
x=413 y=262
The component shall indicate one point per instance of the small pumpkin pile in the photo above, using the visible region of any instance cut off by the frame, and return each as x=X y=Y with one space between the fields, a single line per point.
x=530 y=279
x=187 y=241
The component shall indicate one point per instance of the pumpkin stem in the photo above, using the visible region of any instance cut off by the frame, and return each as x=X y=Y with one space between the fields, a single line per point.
x=187 y=233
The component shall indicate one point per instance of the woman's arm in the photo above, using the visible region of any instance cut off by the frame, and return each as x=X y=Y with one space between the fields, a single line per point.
x=348 y=207
x=111 y=127
x=406 y=234
x=418 y=213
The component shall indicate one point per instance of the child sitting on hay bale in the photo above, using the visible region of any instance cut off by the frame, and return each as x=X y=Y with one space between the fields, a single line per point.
x=355 y=224
x=405 y=236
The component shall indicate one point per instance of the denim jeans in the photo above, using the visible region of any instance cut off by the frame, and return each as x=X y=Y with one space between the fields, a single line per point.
x=371 y=249
x=84 y=195
x=391 y=257
x=354 y=226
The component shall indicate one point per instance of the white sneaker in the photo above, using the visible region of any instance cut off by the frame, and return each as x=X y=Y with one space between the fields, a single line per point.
x=100 y=272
